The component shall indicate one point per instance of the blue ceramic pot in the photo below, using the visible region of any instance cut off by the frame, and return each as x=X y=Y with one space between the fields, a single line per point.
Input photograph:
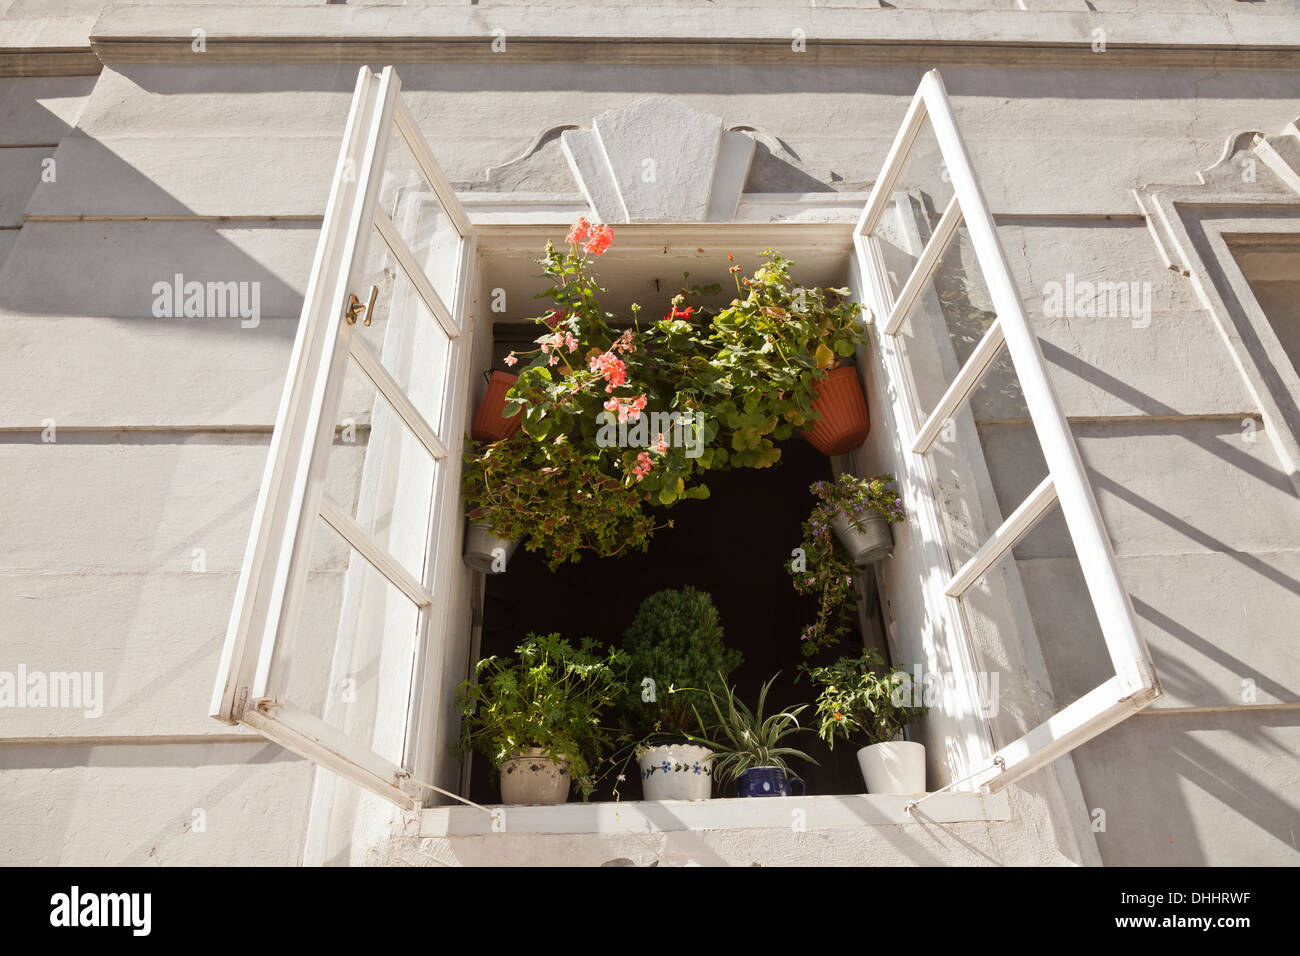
x=767 y=782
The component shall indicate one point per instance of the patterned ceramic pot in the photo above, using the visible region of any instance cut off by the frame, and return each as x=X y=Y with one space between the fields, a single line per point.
x=677 y=772
x=767 y=782
x=531 y=780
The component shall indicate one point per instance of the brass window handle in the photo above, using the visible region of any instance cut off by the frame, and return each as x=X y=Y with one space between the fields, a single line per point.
x=355 y=307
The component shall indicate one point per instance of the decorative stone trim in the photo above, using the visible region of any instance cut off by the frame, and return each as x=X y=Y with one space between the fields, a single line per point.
x=659 y=160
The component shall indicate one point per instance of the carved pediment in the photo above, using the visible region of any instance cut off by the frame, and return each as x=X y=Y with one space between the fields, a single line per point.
x=659 y=160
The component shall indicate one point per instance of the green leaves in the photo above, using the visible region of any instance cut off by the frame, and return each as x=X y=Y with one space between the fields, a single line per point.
x=862 y=699
x=554 y=697
x=741 y=380
x=743 y=739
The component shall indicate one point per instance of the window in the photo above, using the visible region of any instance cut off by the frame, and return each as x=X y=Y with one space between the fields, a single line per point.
x=353 y=610
x=356 y=530
x=957 y=218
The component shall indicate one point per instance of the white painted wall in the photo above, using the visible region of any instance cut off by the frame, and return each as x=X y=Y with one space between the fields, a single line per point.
x=162 y=424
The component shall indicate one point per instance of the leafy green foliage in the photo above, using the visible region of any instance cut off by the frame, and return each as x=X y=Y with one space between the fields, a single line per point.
x=863 y=700
x=556 y=496
x=693 y=392
x=554 y=697
x=675 y=641
x=826 y=569
x=743 y=739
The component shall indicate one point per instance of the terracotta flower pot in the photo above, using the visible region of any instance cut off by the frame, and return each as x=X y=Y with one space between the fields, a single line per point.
x=489 y=425
x=844 y=423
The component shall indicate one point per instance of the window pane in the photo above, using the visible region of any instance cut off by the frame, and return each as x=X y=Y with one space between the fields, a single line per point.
x=423 y=224
x=349 y=661
x=381 y=474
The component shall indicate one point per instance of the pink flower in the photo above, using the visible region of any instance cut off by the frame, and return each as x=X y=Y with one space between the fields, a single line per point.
x=624 y=343
x=599 y=240
x=570 y=342
x=510 y=359
x=581 y=229
x=643 y=465
x=661 y=446
x=626 y=408
x=611 y=367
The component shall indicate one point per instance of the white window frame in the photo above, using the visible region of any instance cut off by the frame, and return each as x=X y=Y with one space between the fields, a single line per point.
x=269 y=597
x=1134 y=684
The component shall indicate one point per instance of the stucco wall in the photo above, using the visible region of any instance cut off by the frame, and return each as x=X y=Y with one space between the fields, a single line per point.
x=220 y=171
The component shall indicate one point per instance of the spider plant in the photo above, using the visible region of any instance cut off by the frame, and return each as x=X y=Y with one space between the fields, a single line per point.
x=742 y=739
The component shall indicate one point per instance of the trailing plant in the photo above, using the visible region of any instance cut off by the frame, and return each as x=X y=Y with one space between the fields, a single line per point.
x=653 y=406
x=553 y=697
x=863 y=700
x=675 y=655
x=822 y=568
x=742 y=739
x=553 y=493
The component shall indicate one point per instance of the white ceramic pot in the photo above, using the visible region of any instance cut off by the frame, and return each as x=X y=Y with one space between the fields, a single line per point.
x=894 y=767
x=485 y=552
x=533 y=780
x=873 y=542
x=677 y=772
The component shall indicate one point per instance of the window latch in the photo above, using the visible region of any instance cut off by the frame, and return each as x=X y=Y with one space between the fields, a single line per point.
x=355 y=307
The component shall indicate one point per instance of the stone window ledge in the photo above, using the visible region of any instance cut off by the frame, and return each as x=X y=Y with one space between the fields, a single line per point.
x=637 y=816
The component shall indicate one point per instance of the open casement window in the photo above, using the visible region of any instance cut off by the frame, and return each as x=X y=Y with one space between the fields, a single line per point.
x=339 y=595
x=930 y=414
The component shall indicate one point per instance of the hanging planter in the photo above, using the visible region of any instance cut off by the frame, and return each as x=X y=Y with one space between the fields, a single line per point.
x=484 y=551
x=844 y=423
x=489 y=425
x=867 y=540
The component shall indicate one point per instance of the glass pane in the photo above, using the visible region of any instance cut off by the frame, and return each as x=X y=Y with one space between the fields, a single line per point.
x=349 y=660
x=921 y=194
x=983 y=467
x=403 y=334
x=381 y=474
x=1036 y=589
x=941 y=331
x=423 y=224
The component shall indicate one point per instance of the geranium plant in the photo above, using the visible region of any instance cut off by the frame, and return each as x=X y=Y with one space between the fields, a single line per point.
x=863 y=701
x=653 y=405
x=822 y=568
x=553 y=697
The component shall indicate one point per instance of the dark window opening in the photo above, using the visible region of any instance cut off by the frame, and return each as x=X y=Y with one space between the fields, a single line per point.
x=733 y=546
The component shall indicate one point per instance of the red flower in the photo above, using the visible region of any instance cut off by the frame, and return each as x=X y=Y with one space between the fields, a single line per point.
x=598 y=240
x=580 y=230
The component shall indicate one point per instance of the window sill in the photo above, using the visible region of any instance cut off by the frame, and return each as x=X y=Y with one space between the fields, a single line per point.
x=732 y=813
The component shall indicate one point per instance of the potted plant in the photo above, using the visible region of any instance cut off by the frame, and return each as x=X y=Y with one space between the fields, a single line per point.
x=675 y=655
x=490 y=424
x=848 y=527
x=649 y=409
x=540 y=719
x=748 y=747
x=862 y=700
x=555 y=495
x=860 y=511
